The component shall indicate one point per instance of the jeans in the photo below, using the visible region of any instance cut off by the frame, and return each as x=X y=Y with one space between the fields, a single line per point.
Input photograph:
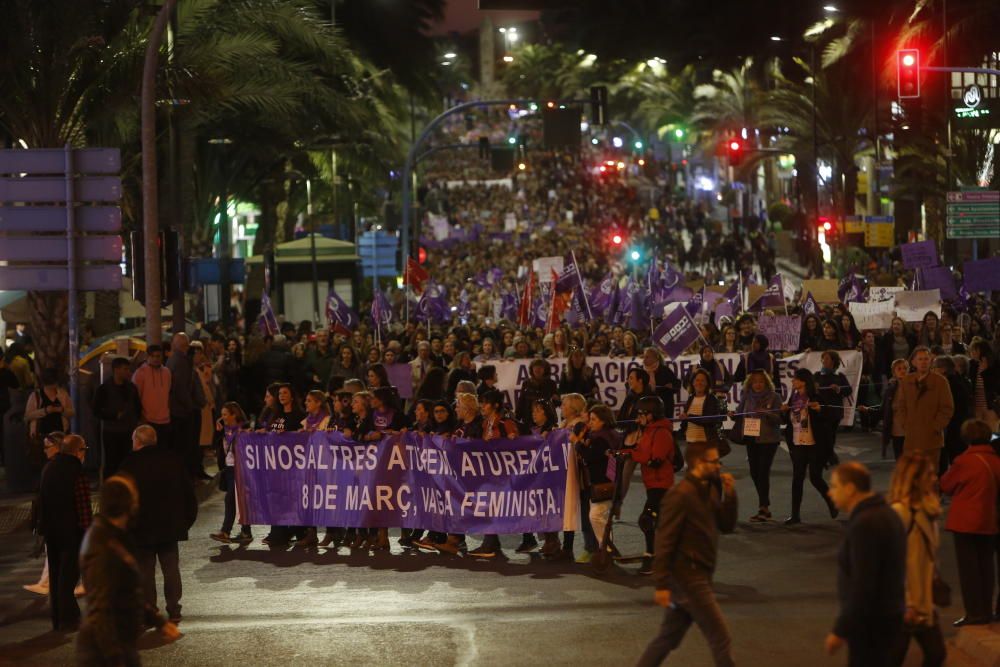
x=760 y=456
x=692 y=601
x=64 y=572
x=872 y=644
x=811 y=458
x=930 y=640
x=116 y=447
x=976 y=576
x=169 y=559
x=599 y=512
x=650 y=516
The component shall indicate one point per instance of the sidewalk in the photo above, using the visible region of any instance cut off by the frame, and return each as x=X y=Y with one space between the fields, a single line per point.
x=976 y=645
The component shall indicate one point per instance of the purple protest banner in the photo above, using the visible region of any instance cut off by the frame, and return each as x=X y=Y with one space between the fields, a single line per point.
x=782 y=331
x=939 y=277
x=982 y=275
x=401 y=377
x=676 y=332
x=406 y=480
x=920 y=254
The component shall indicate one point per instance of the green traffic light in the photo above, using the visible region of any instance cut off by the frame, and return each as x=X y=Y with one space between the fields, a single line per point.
x=512 y=140
x=635 y=255
x=638 y=145
x=679 y=133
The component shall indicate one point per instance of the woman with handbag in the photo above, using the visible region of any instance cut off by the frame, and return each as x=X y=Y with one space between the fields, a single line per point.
x=706 y=410
x=805 y=420
x=593 y=452
x=913 y=496
x=758 y=426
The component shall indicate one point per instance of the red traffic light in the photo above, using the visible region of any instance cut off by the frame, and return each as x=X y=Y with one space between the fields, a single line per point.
x=734 y=145
x=908 y=73
x=735 y=150
x=421 y=255
x=617 y=239
x=827 y=226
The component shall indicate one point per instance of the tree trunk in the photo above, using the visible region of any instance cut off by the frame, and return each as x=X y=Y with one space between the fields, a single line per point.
x=50 y=330
x=271 y=193
x=107 y=312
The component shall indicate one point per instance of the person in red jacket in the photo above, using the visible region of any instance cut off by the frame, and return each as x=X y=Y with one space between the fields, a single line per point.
x=655 y=452
x=973 y=482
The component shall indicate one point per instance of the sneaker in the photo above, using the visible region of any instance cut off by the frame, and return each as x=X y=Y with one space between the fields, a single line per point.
x=792 y=521
x=406 y=542
x=761 y=516
x=79 y=591
x=327 y=540
x=41 y=589
x=647 y=565
x=484 y=551
x=527 y=546
x=584 y=557
x=221 y=537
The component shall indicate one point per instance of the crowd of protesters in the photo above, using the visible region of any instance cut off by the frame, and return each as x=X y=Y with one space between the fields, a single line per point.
x=932 y=387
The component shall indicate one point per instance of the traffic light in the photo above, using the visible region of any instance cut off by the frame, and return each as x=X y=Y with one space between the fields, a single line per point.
x=908 y=73
x=171 y=267
x=598 y=105
x=635 y=254
x=617 y=239
x=827 y=229
x=735 y=151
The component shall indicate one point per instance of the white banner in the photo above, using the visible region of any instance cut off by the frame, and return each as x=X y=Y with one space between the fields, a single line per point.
x=912 y=306
x=484 y=182
x=873 y=315
x=611 y=373
x=881 y=293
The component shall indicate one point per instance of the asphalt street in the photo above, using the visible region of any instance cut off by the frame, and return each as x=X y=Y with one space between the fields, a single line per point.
x=253 y=606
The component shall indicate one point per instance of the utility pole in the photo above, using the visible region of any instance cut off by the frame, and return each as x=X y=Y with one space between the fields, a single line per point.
x=150 y=214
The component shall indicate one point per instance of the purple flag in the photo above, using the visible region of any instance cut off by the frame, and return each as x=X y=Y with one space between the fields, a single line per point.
x=338 y=312
x=809 y=306
x=508 y=306
x=676 y=332
x=602 y=297
x=671 y=287
x=464 y=307
x=267 y=322
x=697 y=303
x=381 y=311
x=433 y=305
x=982 y=275
x=568 y=279
x=773 y=297
x=939 y=277
x=639 y=310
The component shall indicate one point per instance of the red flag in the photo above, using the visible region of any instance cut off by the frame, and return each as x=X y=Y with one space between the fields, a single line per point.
x=560 y=304
x=415 y=275
x=524 y=312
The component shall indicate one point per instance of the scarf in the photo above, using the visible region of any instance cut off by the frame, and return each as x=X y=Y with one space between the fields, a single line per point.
x=756 y=400
x=313 y=421
x=229 y=434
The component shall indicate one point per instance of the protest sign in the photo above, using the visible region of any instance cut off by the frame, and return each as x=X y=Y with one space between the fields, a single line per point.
x=823 y=290
x=919 y=254
x=879 y=293
x=611 y=373
x=982 y=275
x=544 y=266
x=939 y=277
x=676 y=332
x=407 y=480
x=912 y=306
x=401 y=377
x=872 y=315
x=754 y=292
x=782 y=331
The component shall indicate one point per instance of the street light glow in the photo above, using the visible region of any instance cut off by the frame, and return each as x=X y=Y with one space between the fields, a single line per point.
x=508 y=59
x=908 y=60
x=450 y=55
x=775 y=38
x=635 y=255
x=511 y=36
x=830 y=8
x=617 y=142
x=522 y=166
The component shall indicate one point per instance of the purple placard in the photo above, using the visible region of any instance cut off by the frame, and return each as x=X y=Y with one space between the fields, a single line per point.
x=408 y=480
x=982 y=275
x=676 y=332
x=920 y=254
x=782 y=331
x=939 y=277
x=401 y=377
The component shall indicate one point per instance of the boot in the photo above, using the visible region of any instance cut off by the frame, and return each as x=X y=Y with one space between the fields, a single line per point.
x=309 y=540
x=381 y=542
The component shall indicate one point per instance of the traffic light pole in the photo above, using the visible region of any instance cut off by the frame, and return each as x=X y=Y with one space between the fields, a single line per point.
x=412 y=158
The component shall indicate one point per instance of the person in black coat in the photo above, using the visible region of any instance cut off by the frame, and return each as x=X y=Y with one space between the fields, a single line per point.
x=167 y=510
x=833 y=388
x=64 y=514
x=896 y=343
x=538 y=386
x=117 y=405
x=961 y=394
x=871 y=569
x=662 y=380
x=578 y=378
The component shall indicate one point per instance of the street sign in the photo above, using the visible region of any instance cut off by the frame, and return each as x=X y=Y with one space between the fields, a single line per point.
x=53 y=249
x=56 y=278
x=854 y=224
x=53 y=161
x=880 y=231
x=90 y=219
x=973 y=214
x=53 y=189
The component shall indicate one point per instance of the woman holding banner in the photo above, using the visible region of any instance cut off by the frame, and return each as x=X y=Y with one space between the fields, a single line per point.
x=758 y=423
x=805 y=420
x=703 y=413
x=470 y=426
x=833 y=388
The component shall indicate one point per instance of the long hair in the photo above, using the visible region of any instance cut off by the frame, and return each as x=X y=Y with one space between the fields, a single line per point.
x=913 y=484
x=321 y=398
x=234 y=408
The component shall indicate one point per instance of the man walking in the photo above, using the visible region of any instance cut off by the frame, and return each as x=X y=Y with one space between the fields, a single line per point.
x=691 y=516
x=186 y=400
x=167 y=510
x=153 y=382
x=115 y=607
x=927 y=407
x=64 y=508
x=871 y=568
x=118 y=406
